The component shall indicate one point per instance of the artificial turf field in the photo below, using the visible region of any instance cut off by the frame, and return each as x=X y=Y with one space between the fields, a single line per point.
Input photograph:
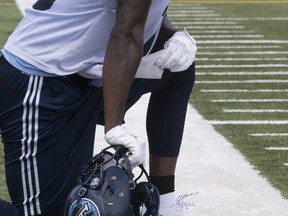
x=242 y=75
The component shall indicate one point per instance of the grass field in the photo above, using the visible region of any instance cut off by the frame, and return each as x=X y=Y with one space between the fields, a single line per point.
x=242 y=75
x=9 y=18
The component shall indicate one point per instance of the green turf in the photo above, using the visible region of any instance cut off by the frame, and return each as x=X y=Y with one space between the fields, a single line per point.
x=269 y=163
x=9 y=18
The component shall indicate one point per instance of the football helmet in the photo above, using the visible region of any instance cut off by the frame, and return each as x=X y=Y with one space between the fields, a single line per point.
x=107 y=188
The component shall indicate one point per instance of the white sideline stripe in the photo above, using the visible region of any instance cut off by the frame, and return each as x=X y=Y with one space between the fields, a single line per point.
x=243 y=90
x=244 y=53
x=249 y=122
x=268 y=134
x=238 y=41
x=277 y=148
x=240 y=81
x=228 y=36
x=244 y=66
x=237 y=47
x=255 y=111
x=240 y=73
x=241 y=59
x=247 y=100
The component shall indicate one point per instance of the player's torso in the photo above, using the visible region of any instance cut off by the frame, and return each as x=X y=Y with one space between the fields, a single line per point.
x=65 y=36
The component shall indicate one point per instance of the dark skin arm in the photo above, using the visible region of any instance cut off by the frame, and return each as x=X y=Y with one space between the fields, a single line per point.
x=166 y=32
x=123 y=56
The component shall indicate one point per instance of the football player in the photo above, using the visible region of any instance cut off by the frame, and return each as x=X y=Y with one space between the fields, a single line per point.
x=70 y=65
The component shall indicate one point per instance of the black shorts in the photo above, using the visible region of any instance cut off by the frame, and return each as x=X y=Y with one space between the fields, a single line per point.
x=48 y=125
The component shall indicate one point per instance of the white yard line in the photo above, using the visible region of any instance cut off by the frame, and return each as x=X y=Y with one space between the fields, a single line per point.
x=212 y=27
x=242 y=90
x=277 y=148
x=241 y=73
x=241 y=59
x=243 y=19
x=225 y=31
x=236 y=41
x=268 y=134
x=255 y=110
x=244 y=53
x=223 y=181
x=237 y=47
x=206 y=23
x=205 y=15
x=244 y=66
x=248 y=100
x=249 y=122
x=228 y=36
x=239 y=81
x=175 y=13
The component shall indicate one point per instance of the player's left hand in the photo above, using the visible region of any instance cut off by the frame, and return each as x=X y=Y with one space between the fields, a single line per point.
x=180 y=52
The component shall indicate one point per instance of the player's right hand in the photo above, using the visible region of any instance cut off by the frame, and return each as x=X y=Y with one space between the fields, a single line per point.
x=119 y=136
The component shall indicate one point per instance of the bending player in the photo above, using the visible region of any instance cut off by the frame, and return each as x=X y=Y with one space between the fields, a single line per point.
x=52 y=95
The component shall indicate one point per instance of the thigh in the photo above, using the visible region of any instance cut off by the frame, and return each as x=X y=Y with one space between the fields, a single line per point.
x=47 y=126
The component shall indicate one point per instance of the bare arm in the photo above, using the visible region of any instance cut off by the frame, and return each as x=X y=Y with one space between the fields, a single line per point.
x=166 y=32
x=123 y=55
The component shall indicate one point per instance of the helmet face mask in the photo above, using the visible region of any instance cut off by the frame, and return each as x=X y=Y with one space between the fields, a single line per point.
x=108 y=189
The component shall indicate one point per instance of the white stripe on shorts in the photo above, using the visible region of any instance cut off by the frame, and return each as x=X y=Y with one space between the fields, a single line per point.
x=30 y=137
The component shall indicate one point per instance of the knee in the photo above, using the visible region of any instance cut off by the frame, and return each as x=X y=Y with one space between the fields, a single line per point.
x=180 y=84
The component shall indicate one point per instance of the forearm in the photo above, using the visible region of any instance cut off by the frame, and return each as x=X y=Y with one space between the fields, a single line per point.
x=122 y=60
x=123 y=56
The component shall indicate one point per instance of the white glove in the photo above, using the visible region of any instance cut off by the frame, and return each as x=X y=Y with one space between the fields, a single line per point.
x=180 y=52
x=118 y=136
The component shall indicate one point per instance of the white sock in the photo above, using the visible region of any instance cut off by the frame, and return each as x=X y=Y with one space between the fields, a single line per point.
x=166 y=202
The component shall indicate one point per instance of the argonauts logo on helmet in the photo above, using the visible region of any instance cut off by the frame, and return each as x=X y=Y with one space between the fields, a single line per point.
x=83 y=207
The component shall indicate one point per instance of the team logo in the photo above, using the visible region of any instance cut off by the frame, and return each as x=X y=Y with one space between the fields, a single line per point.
x=83 y=207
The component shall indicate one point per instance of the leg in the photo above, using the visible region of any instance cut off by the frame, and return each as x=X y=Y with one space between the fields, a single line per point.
x=47 y=126
x=165 y=123
x=165 y=116
x=157 y=163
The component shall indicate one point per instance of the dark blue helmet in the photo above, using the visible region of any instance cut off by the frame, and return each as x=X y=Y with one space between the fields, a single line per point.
x=107 y=188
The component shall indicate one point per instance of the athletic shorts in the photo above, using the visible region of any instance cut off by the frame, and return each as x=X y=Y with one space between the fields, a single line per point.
x=48 y=124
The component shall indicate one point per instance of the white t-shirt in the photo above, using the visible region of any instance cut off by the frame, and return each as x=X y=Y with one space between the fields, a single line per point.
x=72 y=35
